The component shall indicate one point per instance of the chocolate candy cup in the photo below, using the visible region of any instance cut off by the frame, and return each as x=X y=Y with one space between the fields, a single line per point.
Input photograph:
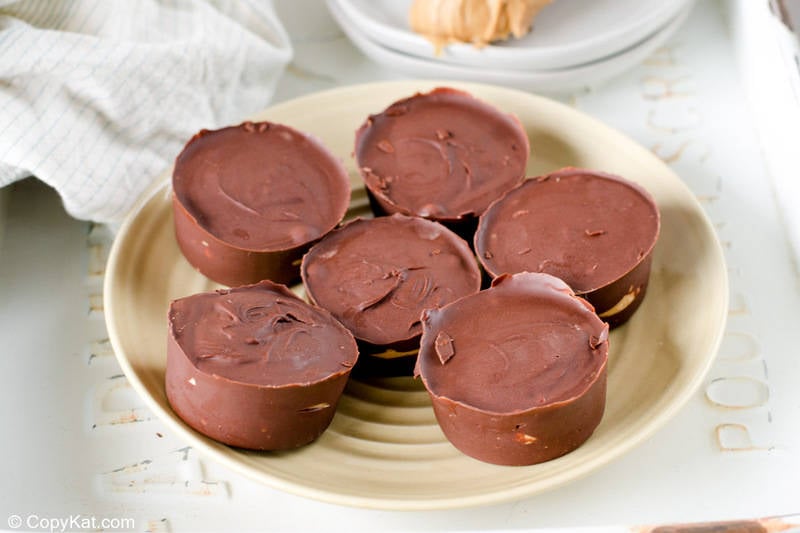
x=516 y=373
x=443 y=155
x=596 y=231
x=256 y=367
x=377 y=276
x=250 y=200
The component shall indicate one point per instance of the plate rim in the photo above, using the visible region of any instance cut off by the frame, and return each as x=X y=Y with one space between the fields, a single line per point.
x=218 y=452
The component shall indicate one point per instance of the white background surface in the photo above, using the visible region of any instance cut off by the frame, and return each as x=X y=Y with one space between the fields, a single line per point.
x=76 y=440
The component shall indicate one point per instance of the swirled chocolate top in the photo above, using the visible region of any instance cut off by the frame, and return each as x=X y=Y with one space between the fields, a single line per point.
x=443 y=155
x=586 y=227
x=261 y=334
x=377 y=275
x=526 y=342
x=261 y=186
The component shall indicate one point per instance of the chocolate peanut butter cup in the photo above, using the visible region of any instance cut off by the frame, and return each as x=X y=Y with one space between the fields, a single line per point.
x=596 y=231
x=517 y=372
x=376 y=276
x=249 y=201
x=256 y=367
x=442 y=155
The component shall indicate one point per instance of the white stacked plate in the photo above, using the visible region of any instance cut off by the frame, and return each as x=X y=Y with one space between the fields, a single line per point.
x=573 y=44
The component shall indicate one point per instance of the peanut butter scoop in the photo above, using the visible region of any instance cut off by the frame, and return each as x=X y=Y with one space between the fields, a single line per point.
x=473 y=21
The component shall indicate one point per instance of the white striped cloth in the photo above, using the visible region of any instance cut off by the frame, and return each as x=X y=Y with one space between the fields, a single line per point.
x=97 y=97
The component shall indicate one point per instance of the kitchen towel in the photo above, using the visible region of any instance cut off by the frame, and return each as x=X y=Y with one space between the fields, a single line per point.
x=97 y=97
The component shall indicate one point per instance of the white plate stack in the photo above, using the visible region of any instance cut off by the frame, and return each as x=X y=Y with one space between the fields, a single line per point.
x=573 y=43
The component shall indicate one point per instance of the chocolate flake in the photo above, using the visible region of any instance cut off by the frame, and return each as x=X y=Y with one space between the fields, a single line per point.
x=396 y=111
x=595 y=341
x=444 y=347
x=524 y=438
x=385 y=146
x=595 y=233
x=314 y=408
x=383 y=182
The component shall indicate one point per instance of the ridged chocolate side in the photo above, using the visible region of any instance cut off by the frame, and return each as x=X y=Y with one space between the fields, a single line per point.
x=517 y=372
x=377 y=276
x=249 y=201
x=256 y=367
x=596 y=231
x=442 y=155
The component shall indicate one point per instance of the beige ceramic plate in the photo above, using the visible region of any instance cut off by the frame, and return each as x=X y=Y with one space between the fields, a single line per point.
x=384 y=449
